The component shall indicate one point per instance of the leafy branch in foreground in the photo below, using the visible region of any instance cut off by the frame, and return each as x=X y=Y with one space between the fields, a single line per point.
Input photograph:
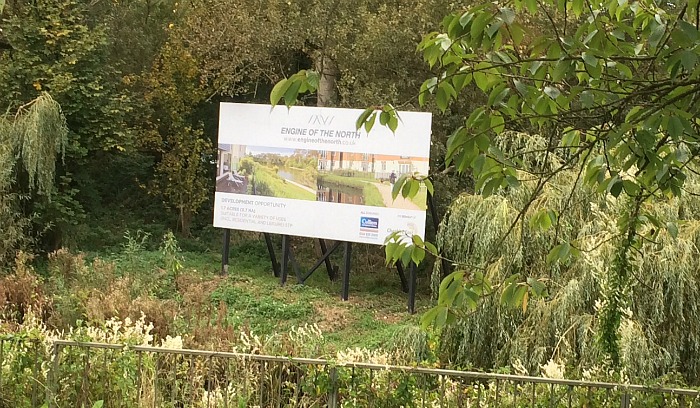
x=612 y=85
x=605 y=94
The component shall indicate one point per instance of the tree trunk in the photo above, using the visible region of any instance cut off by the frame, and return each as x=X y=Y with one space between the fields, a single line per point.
x=328 y=71
x=185 y=221
x=327 y=95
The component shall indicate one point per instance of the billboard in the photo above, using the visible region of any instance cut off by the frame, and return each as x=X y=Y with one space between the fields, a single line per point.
x=307 y=171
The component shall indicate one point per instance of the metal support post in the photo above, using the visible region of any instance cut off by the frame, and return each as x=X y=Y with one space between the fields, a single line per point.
x=285 y=259
x=225 y=251
x=346 y=271
x=412 y=288
x=402 y=276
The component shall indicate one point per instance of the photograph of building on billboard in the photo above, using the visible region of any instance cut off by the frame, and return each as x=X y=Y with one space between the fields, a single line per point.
x=317 y=175
x=309 y=171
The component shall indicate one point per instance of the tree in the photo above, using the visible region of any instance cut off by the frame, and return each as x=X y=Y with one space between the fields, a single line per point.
x=31 y=143
x=175 y=133
x=60 y=47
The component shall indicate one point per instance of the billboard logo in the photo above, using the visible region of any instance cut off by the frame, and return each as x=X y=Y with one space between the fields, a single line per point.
x=369 y=223
x=321 y=120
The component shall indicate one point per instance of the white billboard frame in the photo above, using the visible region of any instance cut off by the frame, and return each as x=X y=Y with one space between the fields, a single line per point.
x=307 y=171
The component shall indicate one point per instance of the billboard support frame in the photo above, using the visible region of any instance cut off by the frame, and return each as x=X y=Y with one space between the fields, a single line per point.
x=273 y=256
x=281 y=269
x=332 y=272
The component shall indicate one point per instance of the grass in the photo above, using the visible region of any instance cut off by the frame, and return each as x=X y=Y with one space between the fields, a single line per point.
x=372 y=196
x=279 y=187
x=375 y=310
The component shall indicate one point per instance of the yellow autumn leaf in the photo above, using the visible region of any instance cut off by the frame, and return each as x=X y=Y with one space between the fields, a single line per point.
x=37 y=85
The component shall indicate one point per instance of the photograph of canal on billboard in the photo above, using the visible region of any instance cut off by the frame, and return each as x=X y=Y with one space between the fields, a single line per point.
x=309 y=171
x=317 y=175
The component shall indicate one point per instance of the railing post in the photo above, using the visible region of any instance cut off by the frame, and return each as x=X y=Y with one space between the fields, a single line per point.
x=35 y=374
x=52 y=376
x=625 y=402
x=333 y=391
x=2 y=358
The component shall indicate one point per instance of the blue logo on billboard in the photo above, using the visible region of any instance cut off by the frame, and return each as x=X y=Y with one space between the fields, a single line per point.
x=369 y=222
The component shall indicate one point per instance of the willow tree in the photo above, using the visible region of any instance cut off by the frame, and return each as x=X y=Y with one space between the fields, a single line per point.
x=31 y=142
x=658 y=327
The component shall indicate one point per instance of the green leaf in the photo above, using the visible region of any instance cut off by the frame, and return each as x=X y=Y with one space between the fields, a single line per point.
x=493 y=28
x=407 y=255
x=417 y=241
x=479 y=24
x=441 y=317
x=587 y=99
x=393 y=121
x=672 y=228
x=417 y=255
x=538 y=288
x=508 y=15
x=631 y=188
x=552 y=92
x=470 y=298
x=657 y=34
x=560 y=70
x=383 y=118
x=312 y=79
x=429 y=186
x=675 y=127
x=531 y=6
x=497 y=122
x=616 y=188
x=429 y=317
x=370 y=122
x=389 y=250
x=278 y=90
x=290 y=96
x=589 y=59
x=98 y=404
x=363 y=117
x=413 y=189
x=427 y=87
x=398 y=186
x=507 y=294
x=459 y=81
x=559 y=253
x=441 y=99
x=517 y=33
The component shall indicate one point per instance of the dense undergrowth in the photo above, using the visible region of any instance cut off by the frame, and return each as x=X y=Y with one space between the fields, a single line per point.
x=183 y=293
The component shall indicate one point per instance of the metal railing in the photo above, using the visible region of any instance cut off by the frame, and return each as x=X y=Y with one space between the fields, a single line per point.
x=75 y=374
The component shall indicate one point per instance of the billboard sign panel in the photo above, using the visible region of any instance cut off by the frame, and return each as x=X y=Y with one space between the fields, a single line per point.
x=307 y=171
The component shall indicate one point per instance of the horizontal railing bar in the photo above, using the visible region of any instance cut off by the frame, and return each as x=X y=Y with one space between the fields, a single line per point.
x=404 y=369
